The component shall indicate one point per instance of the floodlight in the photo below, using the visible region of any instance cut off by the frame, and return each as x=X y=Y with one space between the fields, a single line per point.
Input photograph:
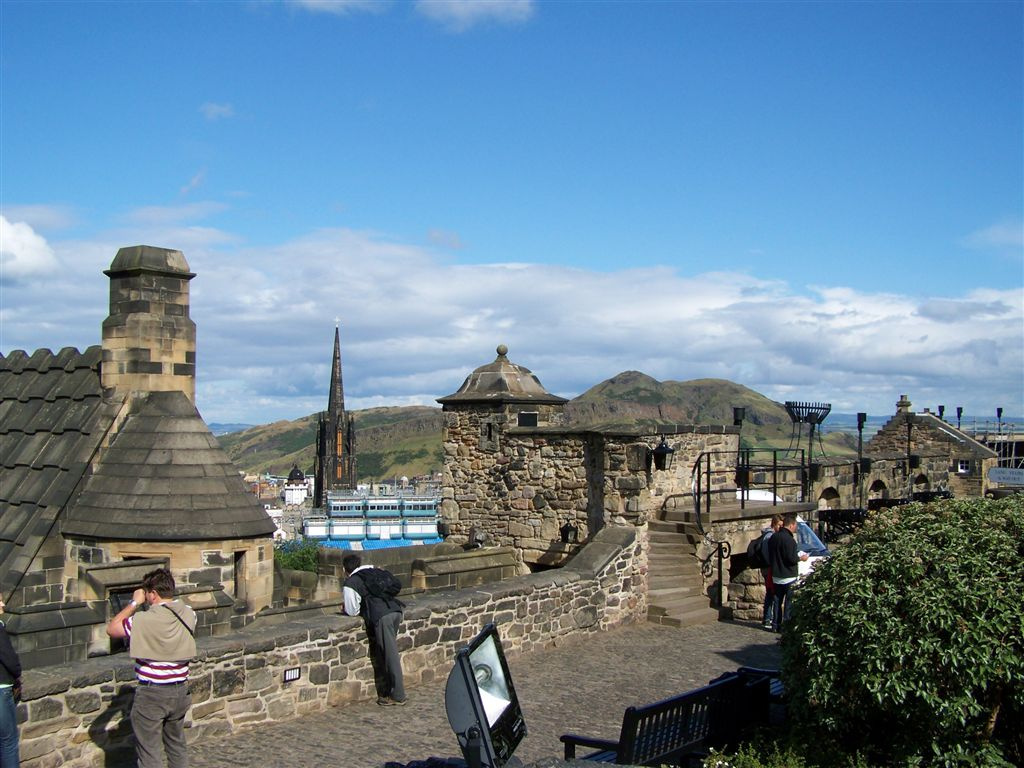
x=482 y=706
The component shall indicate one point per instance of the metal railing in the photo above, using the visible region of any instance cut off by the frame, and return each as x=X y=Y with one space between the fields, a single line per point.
x=772 y=474
x=744 y=470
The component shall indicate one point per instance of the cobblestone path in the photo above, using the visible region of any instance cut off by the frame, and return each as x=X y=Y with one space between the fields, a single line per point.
x=580 y=686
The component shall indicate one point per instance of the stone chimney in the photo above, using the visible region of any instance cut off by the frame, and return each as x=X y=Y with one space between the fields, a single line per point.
x=149 y=340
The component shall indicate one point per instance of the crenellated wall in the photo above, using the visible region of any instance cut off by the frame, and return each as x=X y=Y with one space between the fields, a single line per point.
x=77 y=715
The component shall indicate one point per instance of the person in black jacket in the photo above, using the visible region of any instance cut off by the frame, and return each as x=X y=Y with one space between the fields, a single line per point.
x=10 y=675
x=382 y=616
x=784 y=559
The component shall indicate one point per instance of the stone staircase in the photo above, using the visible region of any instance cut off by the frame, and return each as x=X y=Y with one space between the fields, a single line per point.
x=675 y=589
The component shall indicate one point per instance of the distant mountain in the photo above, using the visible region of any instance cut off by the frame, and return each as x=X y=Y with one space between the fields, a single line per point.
x=226 y=429
x=636 y=398
x=391 y=442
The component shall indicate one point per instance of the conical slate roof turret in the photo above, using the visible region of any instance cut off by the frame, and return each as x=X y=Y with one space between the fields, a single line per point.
x=164 y=477
x=502 y=382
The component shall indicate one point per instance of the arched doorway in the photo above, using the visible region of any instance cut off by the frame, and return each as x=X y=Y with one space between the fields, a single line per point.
x=828 y=499
x=878 y=492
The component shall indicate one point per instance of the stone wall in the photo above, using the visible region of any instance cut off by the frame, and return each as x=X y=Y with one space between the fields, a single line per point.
x=522 y=486
x=427 y=568
x=77 y=715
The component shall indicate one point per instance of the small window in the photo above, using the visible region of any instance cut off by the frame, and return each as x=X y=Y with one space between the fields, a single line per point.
x=963 y=466
x=528 y=419
x=240 y=576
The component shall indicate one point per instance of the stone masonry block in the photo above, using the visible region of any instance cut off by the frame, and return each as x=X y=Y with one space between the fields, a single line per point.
x=81 y=703
x=228 y=681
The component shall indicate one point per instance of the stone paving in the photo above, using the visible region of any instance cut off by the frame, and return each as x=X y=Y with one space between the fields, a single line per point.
x=580 y=686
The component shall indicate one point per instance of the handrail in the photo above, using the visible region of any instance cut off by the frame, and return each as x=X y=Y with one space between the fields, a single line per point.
x=744 y=468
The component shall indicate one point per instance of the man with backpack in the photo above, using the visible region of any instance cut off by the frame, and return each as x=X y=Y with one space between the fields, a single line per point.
x=372 y=593
x=768 y=611
x=784 y=559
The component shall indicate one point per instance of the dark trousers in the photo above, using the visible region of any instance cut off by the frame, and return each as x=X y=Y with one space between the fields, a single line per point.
x=387 y=661
x=782 y=598
x=158 y=719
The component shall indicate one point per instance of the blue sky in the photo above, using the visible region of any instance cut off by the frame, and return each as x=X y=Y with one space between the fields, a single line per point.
x=820 y=201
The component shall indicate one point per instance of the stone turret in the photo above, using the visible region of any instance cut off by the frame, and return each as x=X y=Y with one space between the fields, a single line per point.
x=149 y=340
x=510 y=389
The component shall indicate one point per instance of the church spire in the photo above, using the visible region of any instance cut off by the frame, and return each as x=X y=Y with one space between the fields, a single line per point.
x=336 y=398
x=335 y=442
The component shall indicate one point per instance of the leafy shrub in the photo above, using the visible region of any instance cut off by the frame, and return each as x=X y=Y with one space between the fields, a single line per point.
x=907 y=646
x=764 y=755
x=297 y=555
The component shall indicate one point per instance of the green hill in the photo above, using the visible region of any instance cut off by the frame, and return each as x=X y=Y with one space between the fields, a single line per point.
x=392 y=442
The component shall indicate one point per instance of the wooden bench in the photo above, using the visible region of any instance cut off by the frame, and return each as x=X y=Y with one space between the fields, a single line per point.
x=683 y=728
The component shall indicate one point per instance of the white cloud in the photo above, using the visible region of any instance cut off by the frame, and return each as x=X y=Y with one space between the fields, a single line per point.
x=23 y=253
x=414 y=324
x=213 y=111
x=195 y=182
x=1005 y=234
x=461 y=15
x=41 y=216
x=340 y=7
x=153 y=215
x=446 y=239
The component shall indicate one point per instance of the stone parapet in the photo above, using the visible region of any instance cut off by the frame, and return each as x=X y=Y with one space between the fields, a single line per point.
x=77 y=715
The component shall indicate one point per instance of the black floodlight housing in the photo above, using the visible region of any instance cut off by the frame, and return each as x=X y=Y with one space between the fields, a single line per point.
x=738 y=414
x=482 y=706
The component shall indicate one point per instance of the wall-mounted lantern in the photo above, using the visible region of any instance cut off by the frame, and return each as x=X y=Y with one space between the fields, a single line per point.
x=570 y=533
x=662 y=454
x=738 y=414
x=477 y=538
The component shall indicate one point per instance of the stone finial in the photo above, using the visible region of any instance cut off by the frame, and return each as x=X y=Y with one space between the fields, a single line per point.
x=502 y=351
x=903 y=406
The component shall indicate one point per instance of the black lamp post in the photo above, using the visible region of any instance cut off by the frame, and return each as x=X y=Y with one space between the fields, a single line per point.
x=738 y=414
x=942 y=411
x=742 y=478
x=959 y=413
x=999 y=420
x=861 y=419
x=910 y=458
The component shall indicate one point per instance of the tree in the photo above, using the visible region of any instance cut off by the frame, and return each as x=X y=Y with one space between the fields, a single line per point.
x=297 y=555
x=908 y=644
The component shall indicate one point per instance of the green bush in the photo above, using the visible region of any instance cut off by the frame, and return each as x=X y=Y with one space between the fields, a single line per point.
x=907 y=646
x=764 y=755
x=297 y=555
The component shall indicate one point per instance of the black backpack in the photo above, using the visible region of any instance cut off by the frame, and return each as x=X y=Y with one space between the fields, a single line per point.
x=381 y=583
x=755 y=553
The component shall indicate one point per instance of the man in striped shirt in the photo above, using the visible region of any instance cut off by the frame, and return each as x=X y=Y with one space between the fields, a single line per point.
x=161 y=639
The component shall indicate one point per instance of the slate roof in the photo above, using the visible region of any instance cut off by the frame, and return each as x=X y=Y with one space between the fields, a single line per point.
x=52 y=420
x=165 y=477
x=504 y=382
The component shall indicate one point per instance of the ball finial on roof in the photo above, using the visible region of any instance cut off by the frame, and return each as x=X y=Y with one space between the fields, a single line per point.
x=502 y=350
